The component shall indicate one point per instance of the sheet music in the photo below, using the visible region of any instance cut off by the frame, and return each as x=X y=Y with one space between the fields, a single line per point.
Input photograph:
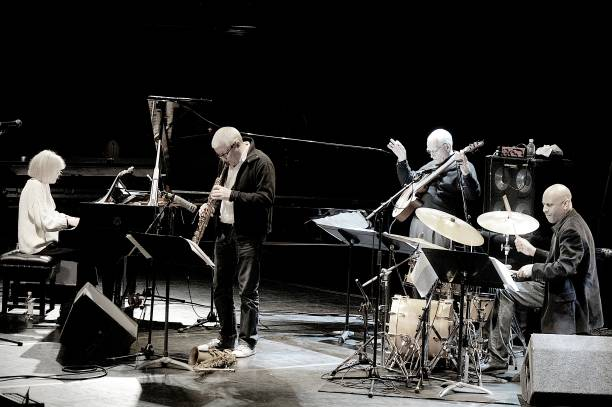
x=353 y=220
x=504 y=274
x=423 y=276
x=200 y=253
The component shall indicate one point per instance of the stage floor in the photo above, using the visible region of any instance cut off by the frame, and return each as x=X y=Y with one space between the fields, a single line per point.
x=299 y=347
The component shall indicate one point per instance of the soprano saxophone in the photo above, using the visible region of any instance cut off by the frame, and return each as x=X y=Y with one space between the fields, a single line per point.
x=208 y=211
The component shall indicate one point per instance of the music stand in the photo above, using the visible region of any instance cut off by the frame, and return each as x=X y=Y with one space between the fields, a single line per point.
x=164 y=250
x=349 y=228
x=464 y=268
x=394 y=243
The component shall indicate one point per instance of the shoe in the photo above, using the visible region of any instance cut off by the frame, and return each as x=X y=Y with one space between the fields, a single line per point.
x=213 y=343
x=217 y=344
x=494 y=367
x=243 y=351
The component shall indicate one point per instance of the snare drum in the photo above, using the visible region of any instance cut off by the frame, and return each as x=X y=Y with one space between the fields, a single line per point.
x=480 y=308
x=404 y=323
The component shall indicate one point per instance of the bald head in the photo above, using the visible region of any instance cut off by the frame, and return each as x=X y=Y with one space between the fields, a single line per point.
x=228 y=145
x=225 y=137
x=558 y=192
x=557 y=202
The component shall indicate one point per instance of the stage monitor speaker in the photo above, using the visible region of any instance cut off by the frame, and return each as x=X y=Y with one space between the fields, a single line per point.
x=95 y=329
x=567 y=370
x=523 y=181
x=513 y=177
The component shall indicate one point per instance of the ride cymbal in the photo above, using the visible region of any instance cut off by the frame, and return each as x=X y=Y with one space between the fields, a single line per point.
x=450 y=226
x=508 y=223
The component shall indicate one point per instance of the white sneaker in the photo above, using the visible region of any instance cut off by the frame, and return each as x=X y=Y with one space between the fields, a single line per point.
x=214 y=343
x=243 y=351
x=217 y=344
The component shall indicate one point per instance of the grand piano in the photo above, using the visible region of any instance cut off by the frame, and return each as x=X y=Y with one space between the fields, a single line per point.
x=314 y=179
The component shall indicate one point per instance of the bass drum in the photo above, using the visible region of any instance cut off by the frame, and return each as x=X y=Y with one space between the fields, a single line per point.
x=404 y=323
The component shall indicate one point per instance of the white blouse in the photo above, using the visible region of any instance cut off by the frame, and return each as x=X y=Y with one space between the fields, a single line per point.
x=39 y=222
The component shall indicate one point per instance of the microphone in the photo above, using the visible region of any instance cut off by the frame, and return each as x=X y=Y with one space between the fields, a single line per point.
x=183 y=203
x=603 y=253
x=125 y=172
x=15 y=123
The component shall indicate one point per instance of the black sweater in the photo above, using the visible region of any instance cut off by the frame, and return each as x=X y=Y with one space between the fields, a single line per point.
x=253 y=194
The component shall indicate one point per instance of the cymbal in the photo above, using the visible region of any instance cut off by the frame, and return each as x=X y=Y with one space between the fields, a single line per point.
x=508 y=223
x=450 y=226
x=414 y=241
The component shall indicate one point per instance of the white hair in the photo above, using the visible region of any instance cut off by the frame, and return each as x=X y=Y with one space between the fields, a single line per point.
x=442 y=136
x=45 y=165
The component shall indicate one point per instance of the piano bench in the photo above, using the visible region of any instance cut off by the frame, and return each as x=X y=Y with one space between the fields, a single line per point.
x=17 y=267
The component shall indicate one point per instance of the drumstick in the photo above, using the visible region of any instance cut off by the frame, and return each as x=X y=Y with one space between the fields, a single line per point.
x=507 y=205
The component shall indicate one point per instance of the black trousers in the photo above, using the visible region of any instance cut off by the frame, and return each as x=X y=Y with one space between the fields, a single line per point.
x=239 y=257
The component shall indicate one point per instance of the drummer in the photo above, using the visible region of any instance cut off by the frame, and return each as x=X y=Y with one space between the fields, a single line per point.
x=444 y=192
x=562 y=281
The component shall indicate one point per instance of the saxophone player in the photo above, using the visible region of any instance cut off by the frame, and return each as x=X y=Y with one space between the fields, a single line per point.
x=243 y=219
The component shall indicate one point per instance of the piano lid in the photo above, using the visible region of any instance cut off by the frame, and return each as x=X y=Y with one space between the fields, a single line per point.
x=174 y=119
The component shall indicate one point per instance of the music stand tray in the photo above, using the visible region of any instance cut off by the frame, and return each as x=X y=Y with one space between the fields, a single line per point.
x=352 y=222
x=464 y=268
x=399 y=246
x=164 y=251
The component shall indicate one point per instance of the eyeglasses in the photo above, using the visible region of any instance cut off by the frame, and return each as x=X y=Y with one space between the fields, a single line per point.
x=229 y=149
x=432 y=152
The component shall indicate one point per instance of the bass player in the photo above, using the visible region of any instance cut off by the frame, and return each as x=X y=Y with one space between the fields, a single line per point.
x=447 y=191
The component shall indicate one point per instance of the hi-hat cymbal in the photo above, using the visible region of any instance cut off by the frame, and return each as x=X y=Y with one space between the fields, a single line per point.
x=414 y=241
x=450 y=226
x=508 y=223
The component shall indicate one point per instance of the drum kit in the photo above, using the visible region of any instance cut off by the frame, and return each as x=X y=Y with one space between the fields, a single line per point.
x=418 y=346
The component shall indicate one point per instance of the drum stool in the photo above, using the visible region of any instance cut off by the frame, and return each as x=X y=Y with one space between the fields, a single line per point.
x=17 y=267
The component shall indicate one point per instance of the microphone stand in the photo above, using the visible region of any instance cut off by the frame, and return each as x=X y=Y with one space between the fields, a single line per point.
x=463 y=360
x=106 y=197
x=388 y=201
x=374 y=373
x=178 y=99
x=147 y=350
x=462 y=189
x=325 y=143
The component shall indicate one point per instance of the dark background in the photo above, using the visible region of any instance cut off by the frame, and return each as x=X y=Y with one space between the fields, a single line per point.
x=78 y=77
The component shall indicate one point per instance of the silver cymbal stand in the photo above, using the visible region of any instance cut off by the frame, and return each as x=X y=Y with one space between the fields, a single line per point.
x=464 y=356
x=374 y=374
